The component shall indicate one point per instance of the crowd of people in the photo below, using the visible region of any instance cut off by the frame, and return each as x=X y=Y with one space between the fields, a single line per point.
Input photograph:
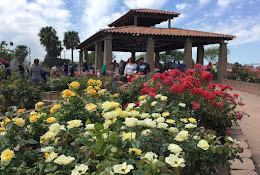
x=126 y=69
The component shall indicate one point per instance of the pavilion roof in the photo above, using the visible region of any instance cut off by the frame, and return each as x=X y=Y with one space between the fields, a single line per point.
x=146 y=17
x=151 y=31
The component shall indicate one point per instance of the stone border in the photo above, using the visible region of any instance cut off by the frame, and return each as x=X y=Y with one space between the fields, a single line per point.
x=251 y=88
x=248 y=166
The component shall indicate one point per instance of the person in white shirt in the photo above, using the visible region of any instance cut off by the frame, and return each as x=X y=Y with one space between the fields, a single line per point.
x=130 y=69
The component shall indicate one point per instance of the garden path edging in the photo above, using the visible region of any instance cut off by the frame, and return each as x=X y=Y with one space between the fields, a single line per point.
x=248 y=166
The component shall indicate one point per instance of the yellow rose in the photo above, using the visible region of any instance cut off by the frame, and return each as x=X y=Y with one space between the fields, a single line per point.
x=128 y=136
x=153 y=103
x=39 y=106
x=66 y=93
x=7 y=155
x=51 y=120
x=137 y=151
x=114 y=104
x=113 y=149
x=164 y=98
x=170 y=121
x=182 y=135
x=20 y=111
x=174 y=148
x=7 y=120
x=74 y=124
x=165 y=114
x=91 y=107
x=89 y=87
x=97 y=88
x=182 y=105
x=116 y=95
x=19 y=121
x=2 y=129
x=50 y=156
x=142 y=97
x=99 y=93
x=175 y=161
x=33 y=118
x=99 y=83
x=93 y=91
x=192 y=120
x=203 y=144
x=64 y=160
x=74 y=85
x=130 y=122
x=123 y=168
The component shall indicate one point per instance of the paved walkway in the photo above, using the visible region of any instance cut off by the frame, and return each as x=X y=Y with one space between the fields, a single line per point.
x=250 y=126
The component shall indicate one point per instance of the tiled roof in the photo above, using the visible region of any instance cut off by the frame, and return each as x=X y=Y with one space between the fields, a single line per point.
x=164 y=32
x=155 y=12
x=157 y=15
x=139 y=30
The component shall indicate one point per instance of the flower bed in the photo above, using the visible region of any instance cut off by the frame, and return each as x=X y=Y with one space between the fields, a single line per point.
x=90 y=131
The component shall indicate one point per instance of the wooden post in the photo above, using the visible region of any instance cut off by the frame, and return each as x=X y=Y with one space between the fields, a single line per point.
x=80 y=60
x=222 y=61
x=133 y=54
x=150 y=53
x=86 y=55
x=188 y=53
x=98 y=56
x=135 y=20
x=169 y=23
x=108 y=50
x=200 y=54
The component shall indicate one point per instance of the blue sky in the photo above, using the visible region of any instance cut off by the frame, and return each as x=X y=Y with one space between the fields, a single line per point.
x=21 y=21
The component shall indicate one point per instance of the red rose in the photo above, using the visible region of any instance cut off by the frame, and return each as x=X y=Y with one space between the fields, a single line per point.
x=220 y=104
x=236 y=95
x=176 y=88
x=228 y=132
x=195 y=105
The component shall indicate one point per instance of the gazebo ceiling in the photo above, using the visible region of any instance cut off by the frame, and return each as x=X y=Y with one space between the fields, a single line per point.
x=146 y=17
x=133 y=38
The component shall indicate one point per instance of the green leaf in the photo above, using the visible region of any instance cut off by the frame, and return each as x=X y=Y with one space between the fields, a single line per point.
x=140 y=163
x=99 y=126
x=99 y=144
x=88 y=122
x=31 y=141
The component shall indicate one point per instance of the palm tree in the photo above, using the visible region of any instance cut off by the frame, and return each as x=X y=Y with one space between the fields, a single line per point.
x=21 y=52
x=71 y=39
x=49 y=39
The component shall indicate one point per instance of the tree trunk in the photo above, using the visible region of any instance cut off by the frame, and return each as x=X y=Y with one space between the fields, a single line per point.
x=72 y=55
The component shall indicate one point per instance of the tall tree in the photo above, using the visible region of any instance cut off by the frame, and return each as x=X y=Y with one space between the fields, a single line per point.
x=49 y=39
x=6 y=52
x=211 y=54
x=71 y=39
x=21 y=52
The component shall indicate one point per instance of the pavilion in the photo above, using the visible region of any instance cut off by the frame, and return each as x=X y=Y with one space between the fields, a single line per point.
x=135 y=31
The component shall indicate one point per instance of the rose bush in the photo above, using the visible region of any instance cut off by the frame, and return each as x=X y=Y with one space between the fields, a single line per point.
x=90 y=131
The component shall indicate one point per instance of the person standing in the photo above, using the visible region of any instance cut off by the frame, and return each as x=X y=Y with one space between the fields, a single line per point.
x=65 y=69
x=104 y=68
x=143 y=67
x=114 y=72
x=21 y=69
x=130 y=69
x=85 y=66
x=8 y=71
x=55 y=70
x=181 y=67
x=36 y=72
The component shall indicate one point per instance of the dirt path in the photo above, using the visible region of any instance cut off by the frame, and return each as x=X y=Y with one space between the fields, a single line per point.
x=251 y=125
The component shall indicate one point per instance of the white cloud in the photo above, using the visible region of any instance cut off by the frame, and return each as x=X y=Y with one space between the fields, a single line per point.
x=154 y=4
x=181 y=6
x=21 y=22
x=204 y=1
x=97 y=15
x=225 y=3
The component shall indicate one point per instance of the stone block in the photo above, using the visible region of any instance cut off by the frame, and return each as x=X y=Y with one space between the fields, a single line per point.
x=246 y=153
x=247 y=164
x=243 y=172
x=239 y=137
x=236 y=132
